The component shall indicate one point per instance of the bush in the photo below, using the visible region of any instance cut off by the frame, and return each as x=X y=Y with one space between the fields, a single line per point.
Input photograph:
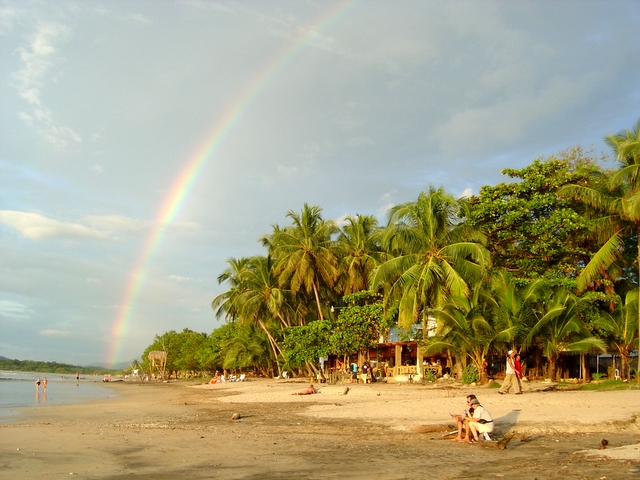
x=429 y=376
x=470 y=375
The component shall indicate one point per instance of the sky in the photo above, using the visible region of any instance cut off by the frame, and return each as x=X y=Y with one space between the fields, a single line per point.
x=145 y=143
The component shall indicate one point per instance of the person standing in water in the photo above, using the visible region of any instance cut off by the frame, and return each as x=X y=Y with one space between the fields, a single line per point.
x=38 y=385
x=44 y=384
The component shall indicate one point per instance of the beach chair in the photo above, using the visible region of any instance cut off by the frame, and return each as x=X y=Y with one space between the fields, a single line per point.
x=241 y=378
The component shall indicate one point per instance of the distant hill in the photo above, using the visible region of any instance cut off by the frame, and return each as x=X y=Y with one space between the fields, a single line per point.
x=112 y=366
x=47 y=367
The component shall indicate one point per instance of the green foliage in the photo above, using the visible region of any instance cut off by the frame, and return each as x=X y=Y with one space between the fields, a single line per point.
x=544 y=228
x=470 y=375
x=183 y=350
x=356 y=329
x=429 y=376
x=533 y=231
x=306 y=343
x=47 y=367
x=434 y=255
x=213 y=354
x=609 y=385
x=598 y=375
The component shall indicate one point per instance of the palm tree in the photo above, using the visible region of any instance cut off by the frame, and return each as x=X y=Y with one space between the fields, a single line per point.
x=620 y=205
x=435 y=254
x=560 y=329
x=224 y=305
x=249 y=348
x=306 y=258
x=359 y=248
x=620 y=327
x=515 y=305
x=254 y=298
x=469 y=326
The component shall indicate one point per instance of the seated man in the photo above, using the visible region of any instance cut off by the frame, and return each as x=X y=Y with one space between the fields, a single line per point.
x=481 y=422
x=309 y=391
x=461 y=420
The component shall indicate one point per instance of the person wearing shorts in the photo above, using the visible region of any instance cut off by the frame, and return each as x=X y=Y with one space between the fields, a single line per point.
x=481 y=422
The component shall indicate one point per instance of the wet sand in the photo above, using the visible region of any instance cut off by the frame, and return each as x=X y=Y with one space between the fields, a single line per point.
x=380 y=431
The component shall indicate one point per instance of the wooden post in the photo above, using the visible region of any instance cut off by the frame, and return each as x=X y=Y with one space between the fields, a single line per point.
x=419 y=358
x=398 y=355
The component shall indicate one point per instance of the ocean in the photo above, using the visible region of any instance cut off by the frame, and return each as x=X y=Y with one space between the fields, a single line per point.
x=18 y=390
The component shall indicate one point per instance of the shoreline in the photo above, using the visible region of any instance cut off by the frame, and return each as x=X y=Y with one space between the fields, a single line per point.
x=184 y=429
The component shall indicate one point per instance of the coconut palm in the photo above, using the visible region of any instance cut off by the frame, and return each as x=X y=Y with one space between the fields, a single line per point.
x=435 y=254
x=469 y=326
x=560 y=329
x=224 y=305
x=620 y=206
x=515 y=305
x=306 y=258
x=359 y=249
x=620 y=327
x=249 y=348
x=254 y=298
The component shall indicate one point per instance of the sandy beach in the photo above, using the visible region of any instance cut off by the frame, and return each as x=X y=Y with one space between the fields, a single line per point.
x=379 y=431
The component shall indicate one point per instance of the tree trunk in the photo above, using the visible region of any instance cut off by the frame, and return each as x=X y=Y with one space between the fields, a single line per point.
x=273 y=344
x=638 y=264
x=551 y=367
x=624 y=365
x=315 y=292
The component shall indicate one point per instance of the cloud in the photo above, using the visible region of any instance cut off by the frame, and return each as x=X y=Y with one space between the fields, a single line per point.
x=286 y=171
x=36 y=226
x=91 y=280
x=9 y=309
x=138 y=18
x=341 y=221
x=178 y=278
x=54 y=333
x=467 y=193
x=37 y=61
x=97 y=168
x=117 y=223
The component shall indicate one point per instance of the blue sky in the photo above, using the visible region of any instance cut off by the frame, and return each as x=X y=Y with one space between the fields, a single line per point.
x=104 y=103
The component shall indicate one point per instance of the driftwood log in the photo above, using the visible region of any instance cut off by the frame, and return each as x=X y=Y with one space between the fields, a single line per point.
x=500 y=444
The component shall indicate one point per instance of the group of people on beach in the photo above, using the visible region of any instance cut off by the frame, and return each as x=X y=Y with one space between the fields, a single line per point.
x=474 y=421
x=513 y=375
x=43 y=383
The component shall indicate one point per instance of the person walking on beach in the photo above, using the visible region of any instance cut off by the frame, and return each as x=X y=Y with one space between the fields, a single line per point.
x=510 y=377
x=77 y=377
x=354 y=372
x=44 y=384
x=518 y=368
x=38 y=385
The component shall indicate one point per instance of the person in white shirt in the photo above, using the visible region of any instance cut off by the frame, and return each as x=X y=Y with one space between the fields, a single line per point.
x=511 y=377
x=481 y=422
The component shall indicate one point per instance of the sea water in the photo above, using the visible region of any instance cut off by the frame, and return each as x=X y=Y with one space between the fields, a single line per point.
x=18 y=390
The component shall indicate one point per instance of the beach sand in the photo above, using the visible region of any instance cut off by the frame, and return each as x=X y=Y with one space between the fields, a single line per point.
x=380 y=431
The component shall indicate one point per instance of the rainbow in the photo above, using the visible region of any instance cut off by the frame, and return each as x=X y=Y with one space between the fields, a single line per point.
x=193 y=168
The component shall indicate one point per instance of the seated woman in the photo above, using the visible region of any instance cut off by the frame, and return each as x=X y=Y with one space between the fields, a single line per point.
x=462 y=420
x=308 y=391
x=481 y=422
